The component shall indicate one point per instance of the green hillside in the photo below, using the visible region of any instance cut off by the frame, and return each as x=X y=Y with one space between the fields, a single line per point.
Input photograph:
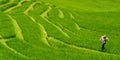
x=59 y=29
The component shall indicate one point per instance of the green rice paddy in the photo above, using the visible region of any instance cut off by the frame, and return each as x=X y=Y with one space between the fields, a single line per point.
x=59 y=29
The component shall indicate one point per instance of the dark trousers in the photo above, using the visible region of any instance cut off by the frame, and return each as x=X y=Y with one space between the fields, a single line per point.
x=103 y=46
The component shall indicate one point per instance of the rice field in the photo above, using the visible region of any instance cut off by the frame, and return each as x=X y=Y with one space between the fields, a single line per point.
x=59 y=30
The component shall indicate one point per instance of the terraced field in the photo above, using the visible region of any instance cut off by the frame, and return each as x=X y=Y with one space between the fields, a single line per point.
x=59 y=30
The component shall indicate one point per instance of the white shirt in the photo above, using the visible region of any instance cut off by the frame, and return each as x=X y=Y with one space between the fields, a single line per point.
x=103 y=39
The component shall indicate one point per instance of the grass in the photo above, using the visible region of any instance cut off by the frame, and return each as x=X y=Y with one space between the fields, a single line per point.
x=3 y=1
x=59 y=30
x=10 y=4
x=5 y=29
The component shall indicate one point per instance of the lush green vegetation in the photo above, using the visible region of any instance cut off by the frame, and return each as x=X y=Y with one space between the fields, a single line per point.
x=59 y=30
